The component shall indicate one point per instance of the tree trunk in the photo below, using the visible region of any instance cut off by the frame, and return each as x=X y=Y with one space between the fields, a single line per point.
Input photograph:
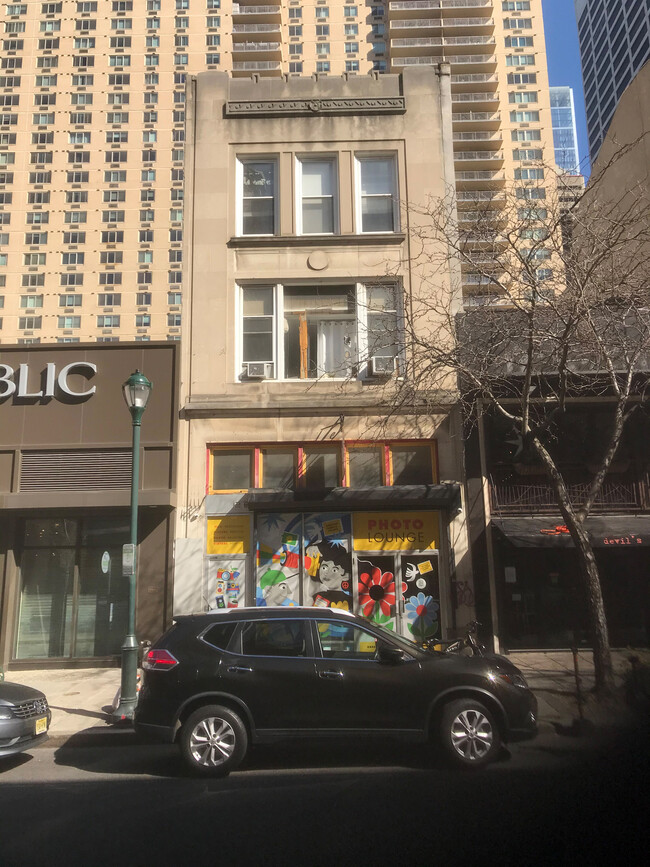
x=589 y=570
x=597 y=621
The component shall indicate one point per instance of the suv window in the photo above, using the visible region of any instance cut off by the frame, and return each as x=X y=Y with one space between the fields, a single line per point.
x=274 y=638
x=340 y=641
x=219 y=634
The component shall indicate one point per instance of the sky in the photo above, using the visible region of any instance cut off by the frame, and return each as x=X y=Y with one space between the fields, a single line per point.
x=563 y=53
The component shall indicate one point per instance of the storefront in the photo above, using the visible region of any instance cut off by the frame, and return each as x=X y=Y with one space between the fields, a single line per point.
x=65 y=476
x=388 y=564
x=541 y=596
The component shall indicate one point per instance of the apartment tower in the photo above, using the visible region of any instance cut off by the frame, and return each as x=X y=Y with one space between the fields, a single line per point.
x=92 y=132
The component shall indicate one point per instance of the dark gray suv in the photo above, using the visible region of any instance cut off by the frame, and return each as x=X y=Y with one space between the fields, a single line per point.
x=217 y=682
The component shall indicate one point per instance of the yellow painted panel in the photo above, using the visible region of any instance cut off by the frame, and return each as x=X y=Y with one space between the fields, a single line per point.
x=229 y=535
x=395 y=531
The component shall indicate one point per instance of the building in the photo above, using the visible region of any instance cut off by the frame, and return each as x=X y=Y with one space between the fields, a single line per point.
x=614 y=44
x=299 y=486
x=92 y=132
x=565 y=133
x=65 y=479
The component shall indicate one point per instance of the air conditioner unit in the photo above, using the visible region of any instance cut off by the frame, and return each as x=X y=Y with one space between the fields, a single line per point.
x=381 y=365
x=258 y=369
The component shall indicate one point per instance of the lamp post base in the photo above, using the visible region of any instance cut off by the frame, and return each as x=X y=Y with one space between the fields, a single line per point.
x=129 y=683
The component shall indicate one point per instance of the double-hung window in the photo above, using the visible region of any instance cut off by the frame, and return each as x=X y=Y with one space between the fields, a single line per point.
x=376 y=194
x=258 y=199
x=317 y=208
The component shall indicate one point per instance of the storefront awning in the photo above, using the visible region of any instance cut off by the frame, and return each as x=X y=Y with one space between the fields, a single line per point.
x=550 y=532
x=443 y=496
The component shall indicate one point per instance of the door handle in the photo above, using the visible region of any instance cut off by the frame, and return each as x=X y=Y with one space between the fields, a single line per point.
x=238 y=668
x=330 y=673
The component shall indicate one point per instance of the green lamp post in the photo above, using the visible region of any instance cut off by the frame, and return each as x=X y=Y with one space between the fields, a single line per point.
x=137 y=390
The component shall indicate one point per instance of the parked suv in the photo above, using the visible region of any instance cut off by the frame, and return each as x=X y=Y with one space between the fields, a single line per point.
x=217 y=682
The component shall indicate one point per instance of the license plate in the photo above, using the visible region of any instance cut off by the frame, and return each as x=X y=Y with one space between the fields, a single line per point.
x=41 y=725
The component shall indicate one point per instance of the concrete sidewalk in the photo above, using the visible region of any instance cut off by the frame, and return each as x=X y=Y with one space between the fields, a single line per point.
x=81 y=699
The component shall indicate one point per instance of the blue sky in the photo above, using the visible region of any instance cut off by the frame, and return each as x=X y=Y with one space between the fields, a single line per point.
x=563 y=54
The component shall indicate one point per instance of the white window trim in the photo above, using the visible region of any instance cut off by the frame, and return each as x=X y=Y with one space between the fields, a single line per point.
x=278 y=361
x=358 y=159
x=239 y=181
x=318 y=158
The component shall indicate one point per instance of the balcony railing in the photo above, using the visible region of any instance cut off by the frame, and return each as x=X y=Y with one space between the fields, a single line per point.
x=519 y=498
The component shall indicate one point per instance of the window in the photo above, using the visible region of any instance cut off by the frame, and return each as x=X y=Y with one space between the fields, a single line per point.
x=145 y=257
x=108 y=321
x=31 y=302
x=109 y=299
x=365 y=466
x=70 y=300
x=351 y=65
x=295 y=12
x=350 y=11
x=145 y=277
x=175 y=256
x=526 y=135
x=113 y=237
x=322 y=48
x=76 y=196
x=143 y=299
x=118 y=98
x=295 y=48
x=75 y=138
x=523 y=96
x=69 y=321
x=346 y=641
x=351 y=29
x=111 y=257
x=173 y=298
x=115 y=177
x=295 y=30
x=515 y=5
x=34 y=259
x=377 y=194
x=275 y=637
x=517 y=23
x=72 y=258
x=519 y=42
x=84 y=43
x=317 y=183
x=258 y=196
x=323 y=65
x=527 y=154
x=520 y=60
x=145 y=236
x=530 y=193
x=322 y=30
x=29 y=322
x=114 y=195
x=74 y=237
x=32 y=238
x=351 y=47
x=112 y=216
x=524 y=116
x=173 y=320
x=71 y=279
x=295 y=67
x=79 y=118
x=119 y=60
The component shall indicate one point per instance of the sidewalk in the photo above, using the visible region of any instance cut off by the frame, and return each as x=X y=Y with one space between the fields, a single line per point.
x=81 y=699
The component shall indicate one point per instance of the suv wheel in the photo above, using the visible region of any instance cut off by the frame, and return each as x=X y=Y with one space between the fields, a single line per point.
x=213 y=741
x=470 y=736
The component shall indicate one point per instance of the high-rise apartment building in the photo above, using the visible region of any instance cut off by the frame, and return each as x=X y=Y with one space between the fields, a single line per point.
x=92 y=132
x=614 y=44
x=565 y=133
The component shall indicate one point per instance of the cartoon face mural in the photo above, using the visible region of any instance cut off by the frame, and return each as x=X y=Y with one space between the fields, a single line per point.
x=277 y=559
x=328 y=561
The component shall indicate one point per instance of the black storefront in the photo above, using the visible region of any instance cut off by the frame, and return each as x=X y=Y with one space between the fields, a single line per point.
x=541 y=600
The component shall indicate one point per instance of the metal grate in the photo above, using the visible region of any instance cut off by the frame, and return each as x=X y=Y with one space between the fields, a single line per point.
x=75 y=470
x=30 y=709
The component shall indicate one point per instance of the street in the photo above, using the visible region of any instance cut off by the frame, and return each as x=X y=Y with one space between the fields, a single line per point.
x=553 y=801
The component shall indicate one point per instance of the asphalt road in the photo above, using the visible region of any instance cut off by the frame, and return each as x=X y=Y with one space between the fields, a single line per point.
x=556 y=801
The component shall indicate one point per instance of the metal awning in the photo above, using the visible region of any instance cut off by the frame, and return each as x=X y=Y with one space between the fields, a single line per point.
x=620 y=531
x=443 y=496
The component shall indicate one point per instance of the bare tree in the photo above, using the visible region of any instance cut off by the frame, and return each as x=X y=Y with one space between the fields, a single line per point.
x=548 y=317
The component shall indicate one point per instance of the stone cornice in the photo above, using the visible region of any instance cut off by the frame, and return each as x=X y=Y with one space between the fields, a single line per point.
x=311 y=107
x=370 y=240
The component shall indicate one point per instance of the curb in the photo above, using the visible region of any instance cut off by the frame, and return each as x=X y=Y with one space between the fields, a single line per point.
x=116 y=735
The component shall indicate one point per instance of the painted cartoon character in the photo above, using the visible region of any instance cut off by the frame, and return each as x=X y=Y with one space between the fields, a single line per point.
x=274 y=589
x=331 y=576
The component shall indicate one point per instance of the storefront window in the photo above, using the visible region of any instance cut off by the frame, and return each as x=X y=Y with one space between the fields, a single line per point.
x=73 y=598
x=232 y=469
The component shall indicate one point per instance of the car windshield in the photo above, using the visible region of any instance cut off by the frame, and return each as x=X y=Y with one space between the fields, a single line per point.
x=404 y=643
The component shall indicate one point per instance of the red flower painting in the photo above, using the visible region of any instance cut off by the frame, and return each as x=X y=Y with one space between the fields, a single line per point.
x=376 y=589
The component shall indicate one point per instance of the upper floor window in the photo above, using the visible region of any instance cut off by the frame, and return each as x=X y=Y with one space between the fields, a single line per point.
x=309 y=332
x=317 y=208
x=376 y=194
x=258 y=195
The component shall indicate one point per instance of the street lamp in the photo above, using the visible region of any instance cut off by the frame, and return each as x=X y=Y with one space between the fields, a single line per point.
x=136 y=390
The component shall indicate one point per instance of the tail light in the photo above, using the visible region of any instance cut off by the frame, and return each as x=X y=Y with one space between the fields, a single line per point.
x=159 y=660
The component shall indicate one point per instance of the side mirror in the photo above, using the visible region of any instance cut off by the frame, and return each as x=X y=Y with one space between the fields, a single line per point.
x=392 y=655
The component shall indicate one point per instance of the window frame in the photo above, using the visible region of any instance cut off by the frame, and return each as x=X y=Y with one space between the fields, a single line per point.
x=332 y=160
x=241 y=161
x=359 y=159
